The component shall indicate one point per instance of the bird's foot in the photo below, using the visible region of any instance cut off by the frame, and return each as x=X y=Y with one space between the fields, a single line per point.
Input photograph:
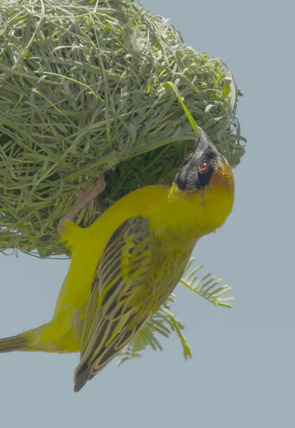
x=85 y=197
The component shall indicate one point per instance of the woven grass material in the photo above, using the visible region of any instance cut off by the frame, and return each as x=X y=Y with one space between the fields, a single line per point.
x=82 y=91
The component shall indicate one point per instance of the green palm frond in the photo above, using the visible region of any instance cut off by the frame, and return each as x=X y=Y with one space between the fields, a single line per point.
x=163 y=323
x=207 y=287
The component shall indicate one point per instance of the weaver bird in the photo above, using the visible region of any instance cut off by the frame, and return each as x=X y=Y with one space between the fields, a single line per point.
x=125 y=264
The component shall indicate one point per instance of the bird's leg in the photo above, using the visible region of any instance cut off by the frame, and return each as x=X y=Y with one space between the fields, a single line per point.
x=85 y=197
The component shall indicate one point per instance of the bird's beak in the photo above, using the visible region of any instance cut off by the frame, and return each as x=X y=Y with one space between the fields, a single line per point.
x=203 y=142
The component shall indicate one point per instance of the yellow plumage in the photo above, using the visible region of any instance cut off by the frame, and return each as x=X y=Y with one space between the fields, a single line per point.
x=125 y=265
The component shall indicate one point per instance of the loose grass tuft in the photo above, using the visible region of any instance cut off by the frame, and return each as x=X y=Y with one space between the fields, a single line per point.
x=83 y=90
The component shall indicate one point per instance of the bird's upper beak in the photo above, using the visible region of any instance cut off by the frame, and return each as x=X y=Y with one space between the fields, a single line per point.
x=203 y=143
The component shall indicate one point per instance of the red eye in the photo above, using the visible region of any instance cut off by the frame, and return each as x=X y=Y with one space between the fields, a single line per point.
x=203 y=168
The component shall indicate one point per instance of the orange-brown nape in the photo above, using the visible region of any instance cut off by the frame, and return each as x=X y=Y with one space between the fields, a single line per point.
x=222 y=175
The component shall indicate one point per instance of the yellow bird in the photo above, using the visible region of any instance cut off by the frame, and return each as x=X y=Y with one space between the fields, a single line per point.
x=126 y=264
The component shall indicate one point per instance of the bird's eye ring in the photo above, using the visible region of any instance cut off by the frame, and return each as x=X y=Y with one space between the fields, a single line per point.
x=203 y=168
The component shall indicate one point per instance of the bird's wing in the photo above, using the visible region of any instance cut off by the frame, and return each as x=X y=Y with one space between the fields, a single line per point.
x=110 y=320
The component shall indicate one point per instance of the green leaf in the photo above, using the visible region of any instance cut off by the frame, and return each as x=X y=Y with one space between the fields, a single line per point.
x=207 y=287
x=191 y=120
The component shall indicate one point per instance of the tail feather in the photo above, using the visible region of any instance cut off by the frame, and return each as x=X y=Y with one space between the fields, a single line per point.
x=82 y=375
x=14 y=343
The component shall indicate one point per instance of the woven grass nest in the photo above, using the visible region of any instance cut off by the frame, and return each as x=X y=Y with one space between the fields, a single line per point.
x=83 y=90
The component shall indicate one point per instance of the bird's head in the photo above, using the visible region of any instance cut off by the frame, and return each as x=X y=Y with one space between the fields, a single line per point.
x=204 y=167
x=205 y=178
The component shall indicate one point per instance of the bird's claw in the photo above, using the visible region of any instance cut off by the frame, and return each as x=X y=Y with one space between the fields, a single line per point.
x=85 y=197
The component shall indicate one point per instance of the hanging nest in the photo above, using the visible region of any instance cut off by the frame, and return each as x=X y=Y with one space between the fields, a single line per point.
x=83 y=90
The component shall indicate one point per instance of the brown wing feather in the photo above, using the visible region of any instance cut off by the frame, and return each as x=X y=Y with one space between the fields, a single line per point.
x=109 y=322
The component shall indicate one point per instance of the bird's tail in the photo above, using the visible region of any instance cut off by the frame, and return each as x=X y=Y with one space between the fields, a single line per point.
x=27 y=341
x=15 y=343
x=32 y=340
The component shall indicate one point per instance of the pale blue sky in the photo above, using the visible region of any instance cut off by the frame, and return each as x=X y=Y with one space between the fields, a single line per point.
x=242 y=371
